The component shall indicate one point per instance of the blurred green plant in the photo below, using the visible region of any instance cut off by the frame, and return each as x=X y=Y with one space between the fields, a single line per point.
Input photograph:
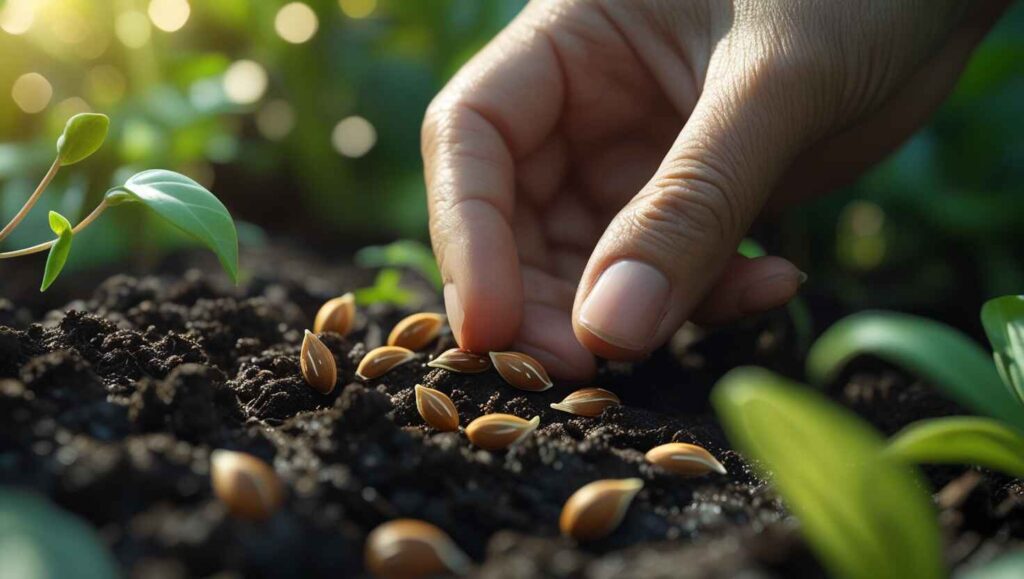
x=386 y=289
x=403 y=253
x=961 y=440
x=1006 y=566
x=1003 y=319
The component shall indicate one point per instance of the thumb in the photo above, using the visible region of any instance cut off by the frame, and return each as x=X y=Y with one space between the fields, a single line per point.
x=665 y=249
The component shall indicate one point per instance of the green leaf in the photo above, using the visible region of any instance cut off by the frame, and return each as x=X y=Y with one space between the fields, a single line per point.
x=385 y=290
x=961 y=440
x=40 y=541
x=83 y=135
x=934 y=351
x=750 y=249
x=402 y=253
x=1003 y=319
x=865 y=515
x=188 y=206
x=59 y=251
x=1007 y=566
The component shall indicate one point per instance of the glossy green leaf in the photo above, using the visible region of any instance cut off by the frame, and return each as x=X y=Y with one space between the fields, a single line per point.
x=865 y=515
x=40 y=541
x=934 y=351
x=188 y=206
x=402 y=253
x=59 y=251
x=961 y=440
x=1003 y=319
x=83 y=135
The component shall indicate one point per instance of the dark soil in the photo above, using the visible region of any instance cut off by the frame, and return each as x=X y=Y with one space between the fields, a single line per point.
x=111 y=406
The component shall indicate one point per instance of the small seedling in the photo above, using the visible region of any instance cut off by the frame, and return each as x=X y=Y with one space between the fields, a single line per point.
x=177 y=199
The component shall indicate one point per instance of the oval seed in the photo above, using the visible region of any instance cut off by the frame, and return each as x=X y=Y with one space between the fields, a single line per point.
x=461 y=361
x=416 y=331
x=596 y=509
x=684 y=459
x=380 y=361
x=521 y=371
x=437 y=409
x=337 y=315
x=409 y=548
x=317 y=364
x=498 y=431
x=587 y=402
x=246 y=484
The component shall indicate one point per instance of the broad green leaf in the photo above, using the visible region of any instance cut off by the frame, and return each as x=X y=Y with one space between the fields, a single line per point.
x=402 y=253
x=188 y=206
x=961 y=440
x=1003 y=319
x=59 y=251
x=1007 y=566
x=865 y=515
x=934 y=351
x=385 y=290
x=83 y=134
x=40 y=541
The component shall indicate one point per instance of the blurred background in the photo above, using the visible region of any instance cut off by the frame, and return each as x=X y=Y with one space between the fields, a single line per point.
x=304 y=118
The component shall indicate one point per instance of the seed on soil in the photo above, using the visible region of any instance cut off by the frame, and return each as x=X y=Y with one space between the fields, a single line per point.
x=409 y=548
x=684 y=459
x=521 y=371
x=461 y=361
x=498 y=431
x=587 y=402
x=437 y=409
x=416 y=331
x=337 y=315
x=317 y=364
x=247 y=485
x=380 y=361
x=596 y=509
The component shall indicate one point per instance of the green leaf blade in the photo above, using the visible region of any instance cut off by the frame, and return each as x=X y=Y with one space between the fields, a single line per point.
x=83 y=135
x=59 y=251
x=402 y=253
x=1003 y=318
x=961 y=440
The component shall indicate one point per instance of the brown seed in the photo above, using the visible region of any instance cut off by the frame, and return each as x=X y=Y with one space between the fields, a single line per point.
x=380 y=361
x=317 y=364
x=437 y=409
x=521 y=371
x=597 y=508
x=416 y=331
x=246 y=484
x=408 y=548
x=456 y=360
x=684 y=459
x=337 y=315
x=498 y=431
x=587 y=402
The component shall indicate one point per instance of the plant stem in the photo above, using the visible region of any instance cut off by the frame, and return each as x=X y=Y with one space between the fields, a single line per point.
x=31 y=200
x=45 y=246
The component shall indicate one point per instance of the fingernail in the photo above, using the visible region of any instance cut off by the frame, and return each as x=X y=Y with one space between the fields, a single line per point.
x=626 y=304
x=453 y=307
x=771 y=292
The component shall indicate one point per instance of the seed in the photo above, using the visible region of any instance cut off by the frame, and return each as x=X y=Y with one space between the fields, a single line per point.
x=416 y=331
x=597 y=508
x=456 y=360
x=587 y=402
x=337 y=315
x=498 y=431
x=380 y=361
x=521 y=371
x=317 y=364
x=246 y=484
x=684 y=459
x=408 y=548
x=437 y=409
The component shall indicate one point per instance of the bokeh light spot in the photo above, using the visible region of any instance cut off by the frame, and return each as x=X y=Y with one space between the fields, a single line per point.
x=245 y=82
x=358 y=8
x=354 y=137
x=169 y=15
x=17 y=16
x=275 y=120
x=296 y=22
x=133 y=29
x=32 y=92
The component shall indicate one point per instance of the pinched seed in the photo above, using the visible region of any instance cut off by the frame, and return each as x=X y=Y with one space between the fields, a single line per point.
x=587 y=402
x=521 y=371
x=498 y=431
x=380 y=361
x=416 y=331
x=337 y=315
x=461 y=361
x=437 y=409
x=246 y=484
x=317 y=364
x=684 y=459
x=596 y=509
x=408 y=548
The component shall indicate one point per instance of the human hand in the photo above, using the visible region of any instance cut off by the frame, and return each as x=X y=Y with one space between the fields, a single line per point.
x=592 y=171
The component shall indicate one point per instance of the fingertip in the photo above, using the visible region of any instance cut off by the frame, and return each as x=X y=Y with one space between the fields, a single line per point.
x=547 y=336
